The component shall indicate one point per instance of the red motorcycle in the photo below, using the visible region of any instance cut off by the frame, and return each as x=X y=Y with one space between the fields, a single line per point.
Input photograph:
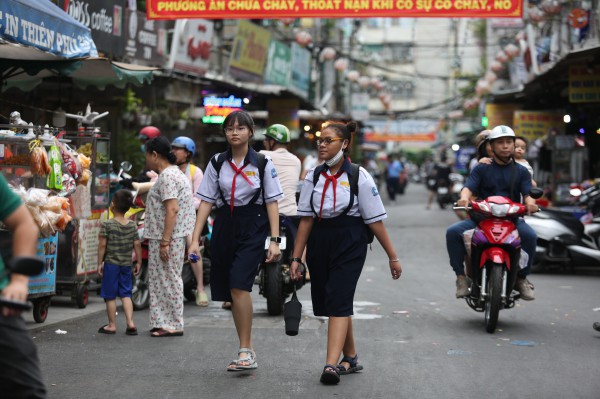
x=495 y=256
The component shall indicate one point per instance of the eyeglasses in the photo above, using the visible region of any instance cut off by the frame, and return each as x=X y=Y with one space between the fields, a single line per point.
x=239 y=129
x=328 y=140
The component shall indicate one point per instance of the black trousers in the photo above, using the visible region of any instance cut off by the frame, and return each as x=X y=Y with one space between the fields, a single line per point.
x=20 y=374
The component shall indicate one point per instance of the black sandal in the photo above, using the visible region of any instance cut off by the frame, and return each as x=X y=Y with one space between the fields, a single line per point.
x=354 y=366
x=330 y=375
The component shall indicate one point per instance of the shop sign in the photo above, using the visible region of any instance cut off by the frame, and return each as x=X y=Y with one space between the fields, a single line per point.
x=249 y=52
x=89 y=231
x=146 y=40
x=534 y=125
x=190 y=49
x=404 y=131
x=45 y=282
x=217 y=108
x=279 y=63
x=300 y=76
x=253 y=9
x=105 y=19
x=584 y=84
x=360 y=106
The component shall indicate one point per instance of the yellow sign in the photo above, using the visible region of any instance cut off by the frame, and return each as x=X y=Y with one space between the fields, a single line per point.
x=536 y=124
x=500 y=114
x=249 y=51
x=584 y=84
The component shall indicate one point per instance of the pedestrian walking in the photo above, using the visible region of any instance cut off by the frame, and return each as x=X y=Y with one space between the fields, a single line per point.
x=118 y=238
x=20 y=374
x=244 y=186
x=393 y=172
x=333 y=230
x=169 y=220
x=184 y=149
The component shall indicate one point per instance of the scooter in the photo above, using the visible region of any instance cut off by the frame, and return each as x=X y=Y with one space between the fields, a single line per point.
x=444 y=196
x=564 y=241
x=274 y=280
x=495 y=255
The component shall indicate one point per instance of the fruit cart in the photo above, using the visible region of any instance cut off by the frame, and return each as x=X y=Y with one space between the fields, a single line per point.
x=66 y=195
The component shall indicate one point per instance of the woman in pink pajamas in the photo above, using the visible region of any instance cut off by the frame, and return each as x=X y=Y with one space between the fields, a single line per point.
x=169 y=220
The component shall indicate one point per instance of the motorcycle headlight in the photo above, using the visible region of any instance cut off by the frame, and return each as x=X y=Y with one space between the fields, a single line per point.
x=513 y=209
x=499 y=210
x=484 y=207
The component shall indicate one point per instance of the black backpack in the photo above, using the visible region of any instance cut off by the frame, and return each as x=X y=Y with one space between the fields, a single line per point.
x=217 y=162
x=353 y=180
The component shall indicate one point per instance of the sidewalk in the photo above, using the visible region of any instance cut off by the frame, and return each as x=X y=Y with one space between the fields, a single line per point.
x=62 y=309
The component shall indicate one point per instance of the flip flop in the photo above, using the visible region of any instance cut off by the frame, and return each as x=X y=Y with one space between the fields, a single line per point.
x=165 y=333
x=131 y=331
x=226 y=305
x=101 y=330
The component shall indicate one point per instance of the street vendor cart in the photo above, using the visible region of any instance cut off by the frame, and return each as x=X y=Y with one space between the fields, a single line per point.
x=57 y=184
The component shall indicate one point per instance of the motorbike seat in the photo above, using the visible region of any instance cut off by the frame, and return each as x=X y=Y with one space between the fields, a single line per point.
x=567 y=219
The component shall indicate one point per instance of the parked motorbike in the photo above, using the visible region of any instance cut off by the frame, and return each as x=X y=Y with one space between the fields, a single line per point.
x=495 y=255
x=444 y=196
x=563 y=240
x=274 y=280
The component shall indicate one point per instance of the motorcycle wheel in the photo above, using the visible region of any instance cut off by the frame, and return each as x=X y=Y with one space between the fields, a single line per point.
x=494 y=300
x=273 y=289
x=140 y=294
x=189 y=282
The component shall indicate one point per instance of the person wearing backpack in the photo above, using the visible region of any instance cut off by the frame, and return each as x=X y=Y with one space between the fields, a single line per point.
x=245 y=188
x=339 y=205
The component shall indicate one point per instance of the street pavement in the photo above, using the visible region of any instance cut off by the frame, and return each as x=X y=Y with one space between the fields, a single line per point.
x=413 y=337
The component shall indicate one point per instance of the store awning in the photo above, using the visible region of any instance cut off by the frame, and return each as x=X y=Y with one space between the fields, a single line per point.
x=40 y=30
x=85 y=72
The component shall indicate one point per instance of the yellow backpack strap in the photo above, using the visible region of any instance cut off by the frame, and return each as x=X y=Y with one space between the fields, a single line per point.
x=193 y=171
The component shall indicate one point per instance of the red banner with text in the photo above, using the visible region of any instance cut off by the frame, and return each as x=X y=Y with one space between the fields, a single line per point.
x=252 y=9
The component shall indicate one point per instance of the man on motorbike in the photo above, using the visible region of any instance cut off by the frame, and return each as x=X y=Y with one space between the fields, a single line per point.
x=288 y=168
x=184 y=149
x=502 y=177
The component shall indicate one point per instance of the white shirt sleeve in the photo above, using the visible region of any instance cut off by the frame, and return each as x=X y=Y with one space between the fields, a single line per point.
x=209 y=187
x=304 y=208
x=271 y=185
x=369 y=201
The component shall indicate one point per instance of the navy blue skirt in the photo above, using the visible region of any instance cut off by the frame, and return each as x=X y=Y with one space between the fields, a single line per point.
x=237 y=249
x=335 y=256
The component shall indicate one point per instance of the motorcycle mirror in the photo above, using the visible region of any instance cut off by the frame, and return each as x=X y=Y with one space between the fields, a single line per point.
x=26 y=265
x=536 y=192
x=126 y=166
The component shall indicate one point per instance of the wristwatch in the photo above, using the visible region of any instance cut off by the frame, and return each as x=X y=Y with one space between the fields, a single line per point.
x=276 y=240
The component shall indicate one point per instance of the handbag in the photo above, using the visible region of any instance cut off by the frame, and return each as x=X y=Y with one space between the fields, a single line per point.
x=292 y=312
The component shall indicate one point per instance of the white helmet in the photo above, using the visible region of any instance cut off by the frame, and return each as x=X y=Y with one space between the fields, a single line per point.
x=501 y=131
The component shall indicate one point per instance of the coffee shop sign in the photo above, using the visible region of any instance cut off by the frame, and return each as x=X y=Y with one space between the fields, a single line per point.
x=97 y=20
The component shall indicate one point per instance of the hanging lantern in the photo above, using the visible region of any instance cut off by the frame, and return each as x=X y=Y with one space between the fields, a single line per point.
x=341 y=64
x=352 y=76
x=490 y=77
x=483 y=87
x=578 y=18
x=520 y=36
x=496 y=66
x=502 y=57
x=287 y=21
x=303 y=38
x=536 y=15
x=551 y=7
x=512 y=50
x=327 y=54
x=364 y=81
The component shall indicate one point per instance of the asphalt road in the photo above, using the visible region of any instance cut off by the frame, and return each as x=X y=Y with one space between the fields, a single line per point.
x=414 y=338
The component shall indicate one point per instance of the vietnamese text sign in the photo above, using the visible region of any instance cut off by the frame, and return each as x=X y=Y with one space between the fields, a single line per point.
x=249 y=52
x=251 y=9
x=404 y=131
x=279 y=62
x=536 y=124
x=584 y=84
x=45 y=282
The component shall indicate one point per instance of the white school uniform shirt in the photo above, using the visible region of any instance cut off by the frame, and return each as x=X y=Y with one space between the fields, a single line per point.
x=244 y=192
x=367 y=205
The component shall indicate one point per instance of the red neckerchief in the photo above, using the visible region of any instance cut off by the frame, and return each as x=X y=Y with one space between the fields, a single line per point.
x=237 y=172
x=333 y=180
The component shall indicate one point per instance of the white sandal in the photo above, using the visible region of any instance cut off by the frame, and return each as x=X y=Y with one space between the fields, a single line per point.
x=237 y=365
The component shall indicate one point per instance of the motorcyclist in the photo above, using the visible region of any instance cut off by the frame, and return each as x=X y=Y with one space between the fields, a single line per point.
x=184 y=149
x=502 y=177
x=441 y=173
x=288 y=168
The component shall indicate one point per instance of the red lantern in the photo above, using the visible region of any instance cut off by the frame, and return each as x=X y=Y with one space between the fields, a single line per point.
x=364 y=81
x=496 y=66
x=511 y=50
x=490 y=77
x=287 y=21
x=502 y=57
x=483 y=87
